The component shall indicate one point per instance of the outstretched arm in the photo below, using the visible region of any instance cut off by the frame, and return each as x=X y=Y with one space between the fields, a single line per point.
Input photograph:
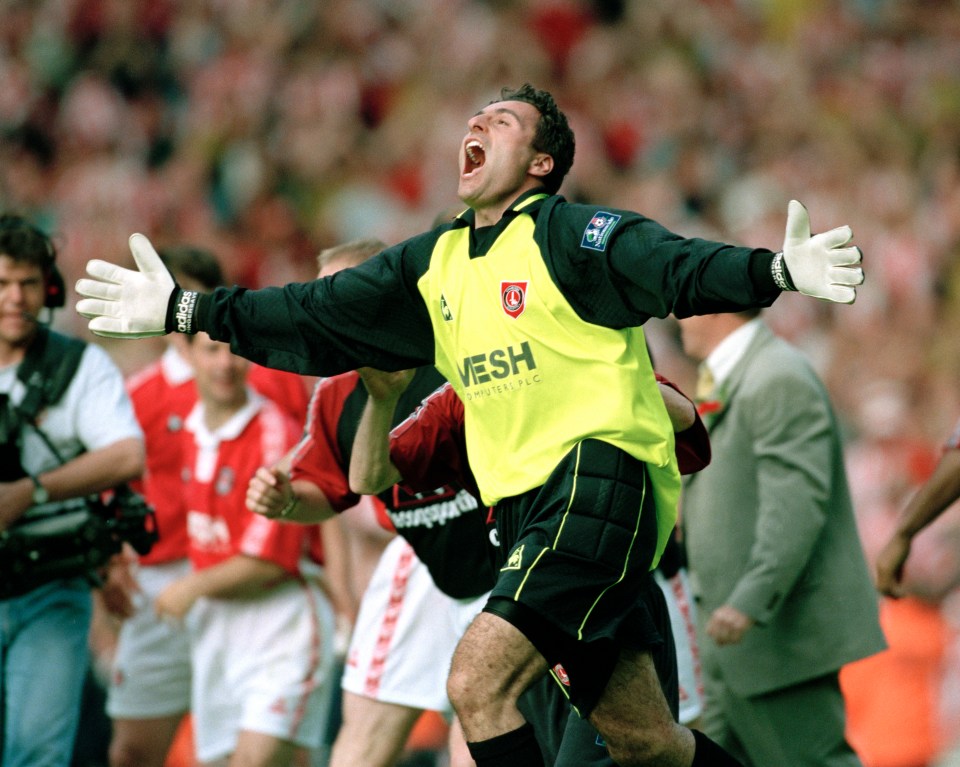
x=365 y=315
x=371 y=470
x=929 y=502
x=636 y=269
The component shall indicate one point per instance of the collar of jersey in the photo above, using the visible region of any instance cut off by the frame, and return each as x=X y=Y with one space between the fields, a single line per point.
x=525 y=200
x=481 y=239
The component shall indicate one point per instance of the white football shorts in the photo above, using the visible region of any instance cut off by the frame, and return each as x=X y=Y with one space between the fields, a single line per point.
x=151 y=666
x=405 y=634
x=683 y=621
x=261 y=665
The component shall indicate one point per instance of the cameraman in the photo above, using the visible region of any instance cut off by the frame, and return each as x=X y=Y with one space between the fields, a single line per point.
x=83 y=440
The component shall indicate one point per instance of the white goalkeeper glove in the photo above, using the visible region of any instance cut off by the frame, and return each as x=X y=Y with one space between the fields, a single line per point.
x=126 y=303
x=822 y=265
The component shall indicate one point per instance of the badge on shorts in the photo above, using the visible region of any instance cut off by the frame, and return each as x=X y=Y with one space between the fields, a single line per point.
x=597 y=233
x=516 y=559
x=561 y=674
x=513 y=298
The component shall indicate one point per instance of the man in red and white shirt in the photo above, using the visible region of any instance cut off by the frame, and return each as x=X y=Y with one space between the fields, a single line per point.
x=260 y=630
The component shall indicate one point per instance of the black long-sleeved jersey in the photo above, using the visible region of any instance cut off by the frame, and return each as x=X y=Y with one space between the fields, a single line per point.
x=374 y=314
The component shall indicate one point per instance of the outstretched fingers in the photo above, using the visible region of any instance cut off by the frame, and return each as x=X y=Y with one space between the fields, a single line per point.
x=94 y=307
x=798 y=223
x=835 y=238
x=108 y=326
x=843 y=275
x=145 y=255
x=108 y=291
x=840 y=294
x=105 y=272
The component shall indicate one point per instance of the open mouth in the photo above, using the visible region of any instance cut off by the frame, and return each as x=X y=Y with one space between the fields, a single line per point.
x=474 y=156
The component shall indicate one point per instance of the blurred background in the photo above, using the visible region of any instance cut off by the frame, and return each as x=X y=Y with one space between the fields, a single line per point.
x=269 y=129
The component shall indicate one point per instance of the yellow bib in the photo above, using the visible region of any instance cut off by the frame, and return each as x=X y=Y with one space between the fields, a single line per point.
x=534 y=378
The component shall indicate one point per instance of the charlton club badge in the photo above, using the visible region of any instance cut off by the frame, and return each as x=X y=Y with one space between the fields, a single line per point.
x=513 y=298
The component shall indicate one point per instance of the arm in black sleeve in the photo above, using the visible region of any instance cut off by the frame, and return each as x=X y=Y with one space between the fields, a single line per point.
x=371 y=314
x=669 y=274
x=646 y=271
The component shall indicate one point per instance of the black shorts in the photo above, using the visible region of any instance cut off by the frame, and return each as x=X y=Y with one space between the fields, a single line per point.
x=567 y=740
x=576 y=576
x=564 y=738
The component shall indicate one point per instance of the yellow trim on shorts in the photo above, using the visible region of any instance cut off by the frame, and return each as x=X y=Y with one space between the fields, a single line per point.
x=516 y=596
x=573 y=492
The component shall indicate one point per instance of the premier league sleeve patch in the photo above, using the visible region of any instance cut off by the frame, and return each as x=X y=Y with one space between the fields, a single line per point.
x=597 y=233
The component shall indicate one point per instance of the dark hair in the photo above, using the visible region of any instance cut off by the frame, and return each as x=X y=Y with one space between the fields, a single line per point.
x=25 y=243
x=187 y=262
x=553 y=135
x=354 y=252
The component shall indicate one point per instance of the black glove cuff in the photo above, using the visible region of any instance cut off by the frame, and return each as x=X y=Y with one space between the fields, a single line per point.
x=781 y=275
x=182 y=311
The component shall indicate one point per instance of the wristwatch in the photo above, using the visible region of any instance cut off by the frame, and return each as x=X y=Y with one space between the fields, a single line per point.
x=40 y=494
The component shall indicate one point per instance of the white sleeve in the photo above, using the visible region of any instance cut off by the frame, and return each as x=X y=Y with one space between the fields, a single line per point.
x=97 y=396
x=93 y=412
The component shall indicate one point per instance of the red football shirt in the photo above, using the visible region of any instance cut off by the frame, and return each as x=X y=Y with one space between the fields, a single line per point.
x=429 y=448
x=218 y=467
x=163 y=394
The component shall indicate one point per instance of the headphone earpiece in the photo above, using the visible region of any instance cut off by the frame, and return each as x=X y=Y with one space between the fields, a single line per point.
x=56 y=290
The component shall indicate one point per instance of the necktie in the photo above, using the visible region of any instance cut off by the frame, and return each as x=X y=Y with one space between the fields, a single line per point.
x=706 y=386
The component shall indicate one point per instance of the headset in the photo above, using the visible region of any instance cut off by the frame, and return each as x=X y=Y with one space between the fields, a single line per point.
x=55 y=295
x=55 y=289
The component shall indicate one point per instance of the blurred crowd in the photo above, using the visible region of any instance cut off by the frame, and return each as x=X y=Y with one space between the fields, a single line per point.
x=266 y=130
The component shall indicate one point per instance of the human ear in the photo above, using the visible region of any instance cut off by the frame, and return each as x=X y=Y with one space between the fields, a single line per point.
x=541 y=165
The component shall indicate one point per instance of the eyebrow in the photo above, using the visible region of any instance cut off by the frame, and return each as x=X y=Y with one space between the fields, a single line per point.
x=22 y=280
x=500 y=110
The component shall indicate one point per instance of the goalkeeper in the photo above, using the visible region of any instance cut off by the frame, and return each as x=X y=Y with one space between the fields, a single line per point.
x=532 y=308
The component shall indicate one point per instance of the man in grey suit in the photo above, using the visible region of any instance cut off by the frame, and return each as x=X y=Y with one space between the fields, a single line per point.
x=784 y=595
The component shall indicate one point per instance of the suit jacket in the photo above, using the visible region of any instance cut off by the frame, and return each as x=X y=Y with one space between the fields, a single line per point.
x=769 y=527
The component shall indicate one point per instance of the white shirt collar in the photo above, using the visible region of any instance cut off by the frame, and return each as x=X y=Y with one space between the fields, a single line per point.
x=231 y=429
x=176 y=370
x=725 y=356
